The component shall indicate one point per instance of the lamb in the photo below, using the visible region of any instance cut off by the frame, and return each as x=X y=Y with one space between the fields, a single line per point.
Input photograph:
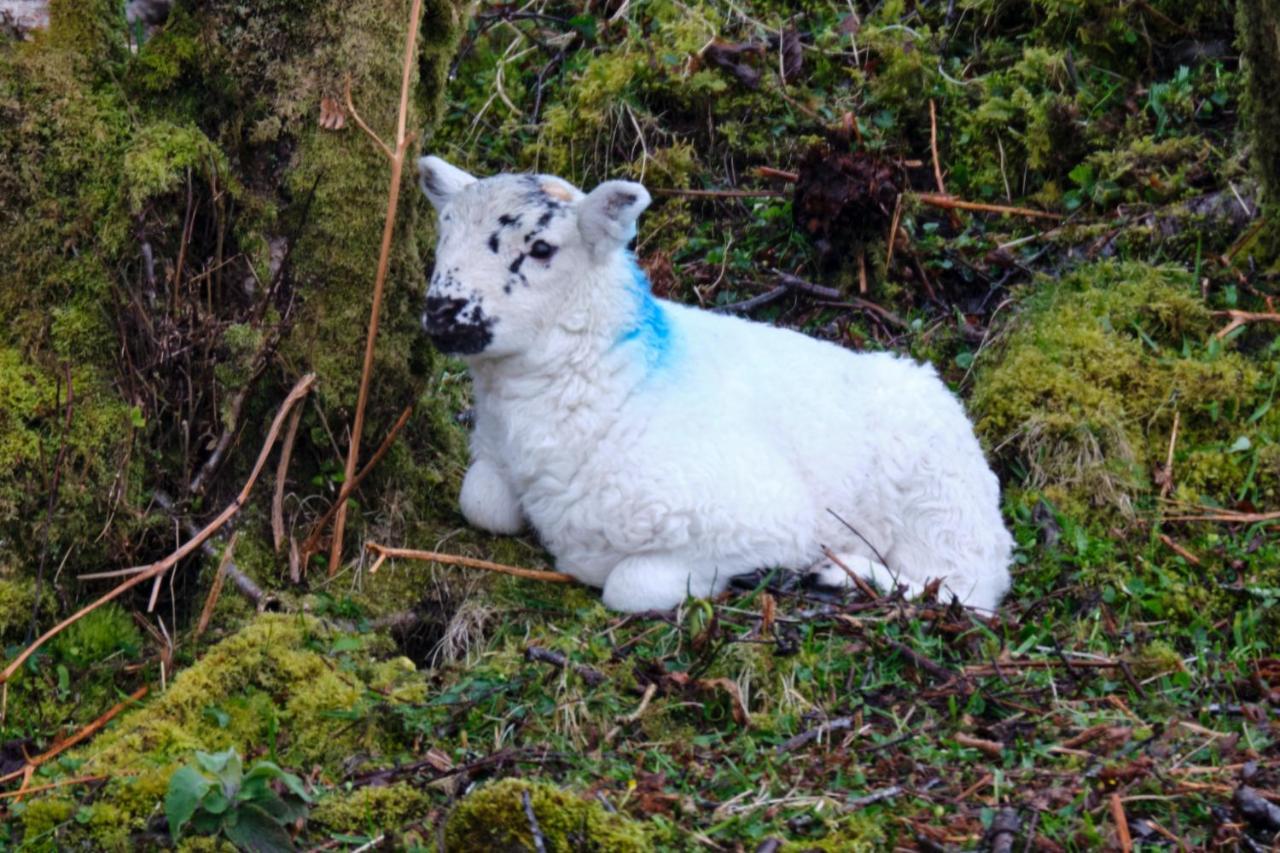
x=660 y=450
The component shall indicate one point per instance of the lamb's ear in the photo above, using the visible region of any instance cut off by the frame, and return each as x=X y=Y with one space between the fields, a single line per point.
x=607 y=216
x=440 y=181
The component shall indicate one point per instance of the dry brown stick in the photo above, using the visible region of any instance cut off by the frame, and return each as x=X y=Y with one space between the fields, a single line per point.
x=781 y=174
x=949 y=203
x=862 y=272
x=857 y=580
x=718 y=193
x=1122 y=824
x=157 y=569
x=82 y=735
x=1240 y=318
x=351 y=108
x=312 y=543
x=1167 y=475
x=990 y=748
x=384 y=263
x=215 y=589
x=933 y=146
x=893 y=234
x=384 y=552
x=1179 y=550
x=242 y=582
x=61 y=783
x=1229 y=515
x=282 y=476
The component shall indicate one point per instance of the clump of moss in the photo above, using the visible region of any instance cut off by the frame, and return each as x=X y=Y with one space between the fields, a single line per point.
x=283 y=681
x=1081 y=395
x=103 y=632
x=370 y=808
x=493 y=818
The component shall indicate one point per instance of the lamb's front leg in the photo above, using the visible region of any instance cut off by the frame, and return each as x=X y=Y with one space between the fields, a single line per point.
x=655 y=582
x=488 y=501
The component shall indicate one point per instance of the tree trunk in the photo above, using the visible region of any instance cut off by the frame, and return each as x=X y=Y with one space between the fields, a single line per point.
x=1258 y=24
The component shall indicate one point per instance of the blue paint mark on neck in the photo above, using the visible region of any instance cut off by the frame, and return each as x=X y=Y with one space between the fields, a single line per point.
x=650 y=325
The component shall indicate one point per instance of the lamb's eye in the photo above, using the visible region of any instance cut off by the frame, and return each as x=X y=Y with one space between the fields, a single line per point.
x=541 y=250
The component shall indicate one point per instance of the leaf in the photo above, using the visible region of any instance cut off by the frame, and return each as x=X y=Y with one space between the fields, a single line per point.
x=187 y=788
x=226 y=766
x=1241 y=444
x=332 y=115
x=256 y=831
x=219 y=717
x=345 y=644
x=215 y=802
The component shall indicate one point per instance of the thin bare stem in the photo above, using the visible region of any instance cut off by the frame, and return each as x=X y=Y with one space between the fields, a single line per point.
x=384 y=262
x=384 y=552
x=949 y=203
x=351 y=108
x=157 y=569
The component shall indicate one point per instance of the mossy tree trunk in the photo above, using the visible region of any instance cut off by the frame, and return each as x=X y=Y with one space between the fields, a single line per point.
x=1258 y=22
x=184 y=241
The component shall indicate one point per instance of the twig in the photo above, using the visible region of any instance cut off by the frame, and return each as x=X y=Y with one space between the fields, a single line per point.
x=1166 y=476
x=384 y=263
x=874 y=797
x=781 y=174
x=351 y=108
x=1240 y=318
x=865 y=588
x=862 y=271
x=919 y=661
x=796 y=283
x=989 y=748
x=312 y=543
x=215 y=589
x=814 y=733
x=61 y=783
x=719 y=193
x=1122 y=824
x=1228 y=515
x=242 y=582
x=539 y=843
x=893 y=233
x=282 y=476
x=80 y=736
x=1004 y=829
x=933 y=146
x=538 y=654
x=948 y=203
x=454 y=560
x=746 y=306
x=157 y=569
x=1179 y=550
x=52 y=502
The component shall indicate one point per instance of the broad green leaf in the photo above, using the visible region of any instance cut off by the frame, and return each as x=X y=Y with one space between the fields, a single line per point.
x=256 y=831
x=187 y=787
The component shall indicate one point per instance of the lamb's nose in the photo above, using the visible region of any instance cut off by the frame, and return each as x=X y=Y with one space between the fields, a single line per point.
x=440 y=314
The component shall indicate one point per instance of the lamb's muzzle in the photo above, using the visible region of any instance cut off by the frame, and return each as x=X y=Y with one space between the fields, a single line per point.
x=456 y=327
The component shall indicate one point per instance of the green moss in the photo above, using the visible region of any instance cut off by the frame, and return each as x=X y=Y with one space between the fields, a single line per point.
x=17 y=598
x=1081 y=396
x=161 y=155
x=493 y=818
x=1258 y=24
x=370 y=810
x=103 y=632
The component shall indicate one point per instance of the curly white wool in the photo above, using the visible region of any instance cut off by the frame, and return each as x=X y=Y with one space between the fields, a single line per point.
x=659 y=450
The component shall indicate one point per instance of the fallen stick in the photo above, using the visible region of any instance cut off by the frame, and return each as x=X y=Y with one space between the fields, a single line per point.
x=312 y=543
x=22 y=792
x=947 y=202
x=1240 y=318
x=82 y=735
x=157 y=569
x=537 y=654
x=242 y=582
x=385 y=552
x=719 y=193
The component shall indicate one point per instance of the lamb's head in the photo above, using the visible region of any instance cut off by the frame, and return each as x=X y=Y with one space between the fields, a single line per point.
x=510 y=250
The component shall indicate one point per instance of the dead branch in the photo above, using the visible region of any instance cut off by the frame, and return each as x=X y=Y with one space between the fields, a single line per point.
x=1122 y=824
x=838 y=724
x=384 y=262
x=242 y=582
x=947 y=202
x=80 y=736
x=312 y=543
x=1005 y=826
x=989 y=748
x=61 y=783
x=718 y=193
x=142 y=574
x=746 y=306
x=539 y=843
x=933 y=146
x=537 y=654
x=1241 y=318
x=215 y=589
x=799 y=284
x=282 y=476
x=385 y=552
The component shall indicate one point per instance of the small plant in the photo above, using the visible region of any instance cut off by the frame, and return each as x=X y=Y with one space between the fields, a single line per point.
x=218 y=798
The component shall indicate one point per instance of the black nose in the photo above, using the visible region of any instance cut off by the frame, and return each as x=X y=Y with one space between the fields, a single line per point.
x=456 y=327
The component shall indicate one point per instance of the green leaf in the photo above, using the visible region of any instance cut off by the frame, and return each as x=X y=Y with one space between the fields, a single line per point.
x=345 y=644
x=220 y=718
x=226 y=766
x=215 y=802
x=269 y=769
x=257 y=831
x=186 y=788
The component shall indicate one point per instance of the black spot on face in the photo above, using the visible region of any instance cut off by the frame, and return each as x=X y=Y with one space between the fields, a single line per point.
x=545 y=218
x=493 y=242
x=457 y=326
x=506 y=220
x=515 y=265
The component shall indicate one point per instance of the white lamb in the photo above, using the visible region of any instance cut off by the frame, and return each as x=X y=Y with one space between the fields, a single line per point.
x=659 y=450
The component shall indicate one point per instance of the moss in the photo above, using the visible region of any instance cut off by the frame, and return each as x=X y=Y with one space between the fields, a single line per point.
x=42 y=818
x=159 y=157
x=103 y=632
x=493 y=818
x=17 y=598
x=1258 y=24
x=1081 y=395
x=370 y=810
x=282 y=681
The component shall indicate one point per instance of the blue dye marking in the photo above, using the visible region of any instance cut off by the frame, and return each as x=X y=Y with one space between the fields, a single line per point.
x=650 y=327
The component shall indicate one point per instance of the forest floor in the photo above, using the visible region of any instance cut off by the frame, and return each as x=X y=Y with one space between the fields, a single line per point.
x=1053 y=204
